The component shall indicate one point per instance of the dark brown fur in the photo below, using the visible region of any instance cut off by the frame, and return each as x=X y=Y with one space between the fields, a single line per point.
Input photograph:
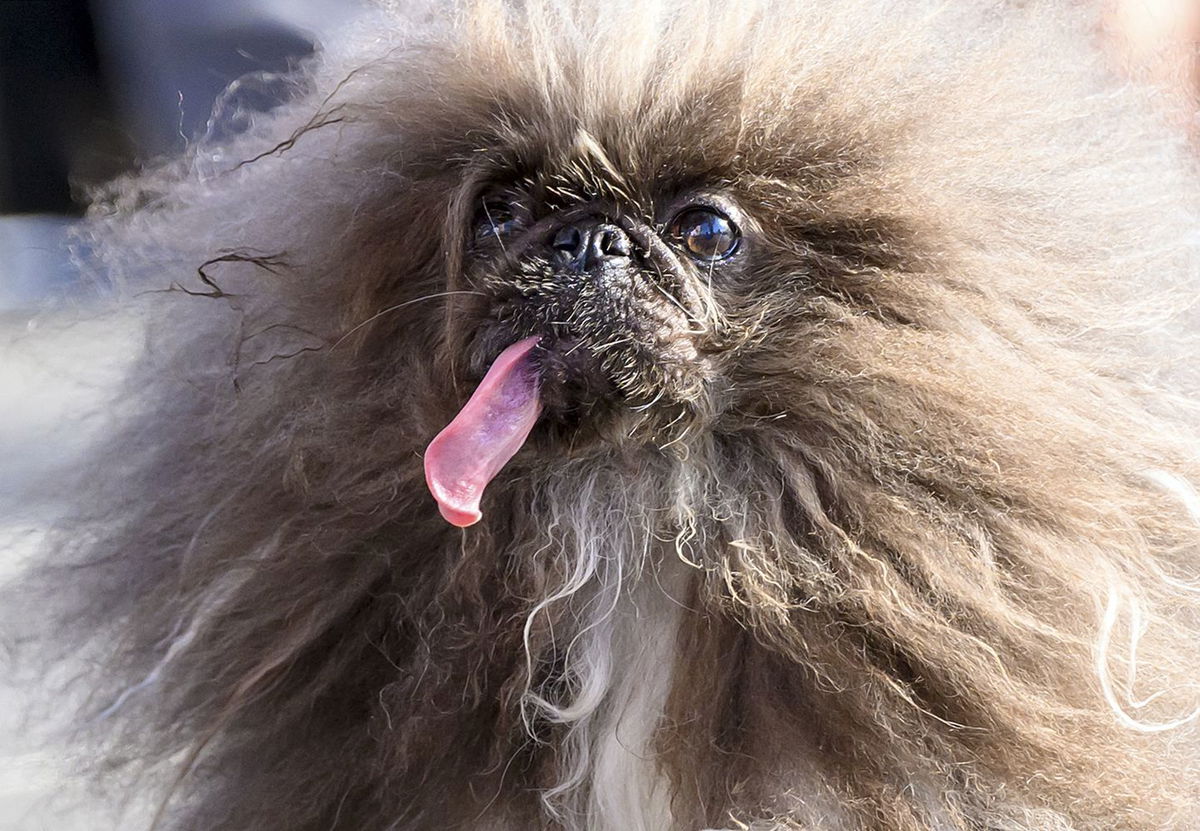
x=934 y=478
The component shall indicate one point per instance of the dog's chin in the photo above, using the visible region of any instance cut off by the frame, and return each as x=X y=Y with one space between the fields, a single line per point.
x=590 y=380
x=572 y=380
x=612 y=365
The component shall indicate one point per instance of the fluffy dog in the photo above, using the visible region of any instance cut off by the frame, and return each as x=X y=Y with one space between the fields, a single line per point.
x=659 y=416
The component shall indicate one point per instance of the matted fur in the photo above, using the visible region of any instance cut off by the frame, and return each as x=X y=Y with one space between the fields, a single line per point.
x=914 y=555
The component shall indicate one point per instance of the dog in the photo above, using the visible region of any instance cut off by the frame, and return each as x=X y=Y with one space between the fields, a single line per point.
x=656 y=415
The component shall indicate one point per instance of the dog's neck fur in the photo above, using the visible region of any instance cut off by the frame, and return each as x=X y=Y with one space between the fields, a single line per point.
x=621 y=701
x=623 y=600
x=628 y=792
x=645 y=669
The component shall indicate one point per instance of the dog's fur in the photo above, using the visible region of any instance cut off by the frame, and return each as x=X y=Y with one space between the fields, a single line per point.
x=912 y=551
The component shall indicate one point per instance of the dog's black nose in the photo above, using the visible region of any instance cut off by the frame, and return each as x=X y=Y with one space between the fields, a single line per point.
x=585 y=244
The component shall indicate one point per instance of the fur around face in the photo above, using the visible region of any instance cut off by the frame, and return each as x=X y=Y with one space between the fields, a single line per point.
x=915 y=554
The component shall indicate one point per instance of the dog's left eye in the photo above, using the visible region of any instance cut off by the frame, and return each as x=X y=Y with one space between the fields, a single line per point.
x=497 y=218
x=705 y=234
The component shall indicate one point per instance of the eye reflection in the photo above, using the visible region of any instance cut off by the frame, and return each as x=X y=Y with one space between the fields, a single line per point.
x=496 y=219
x=705 y=234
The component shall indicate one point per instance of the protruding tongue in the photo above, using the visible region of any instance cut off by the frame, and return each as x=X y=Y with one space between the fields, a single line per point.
x=486 y=433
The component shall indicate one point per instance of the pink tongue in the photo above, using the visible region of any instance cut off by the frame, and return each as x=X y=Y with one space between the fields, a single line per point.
x=487 y=432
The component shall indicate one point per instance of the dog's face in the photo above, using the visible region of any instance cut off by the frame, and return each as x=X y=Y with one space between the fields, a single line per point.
x=666 y=271
x=595 y=303
x=651 y=279
x=621 y=294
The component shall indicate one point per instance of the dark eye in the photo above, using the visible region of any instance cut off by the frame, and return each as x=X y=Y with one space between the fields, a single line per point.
x=706 y=234
x=497 y=218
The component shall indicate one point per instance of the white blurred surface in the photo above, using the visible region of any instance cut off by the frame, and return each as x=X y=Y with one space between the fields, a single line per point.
x=59 y=364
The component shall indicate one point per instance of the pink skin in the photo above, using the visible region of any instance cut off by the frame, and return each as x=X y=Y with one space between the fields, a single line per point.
x=487 y=432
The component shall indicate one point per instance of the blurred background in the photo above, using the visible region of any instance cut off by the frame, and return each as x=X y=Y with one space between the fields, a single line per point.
x=90 y=89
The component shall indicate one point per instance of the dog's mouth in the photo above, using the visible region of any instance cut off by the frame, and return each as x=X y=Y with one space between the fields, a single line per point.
x=564 y=382
x=488 y=431
x=561 y=381
x=589 y=341
x=576 y=368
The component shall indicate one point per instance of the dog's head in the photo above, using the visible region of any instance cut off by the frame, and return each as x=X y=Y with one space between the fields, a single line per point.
x=672 y=239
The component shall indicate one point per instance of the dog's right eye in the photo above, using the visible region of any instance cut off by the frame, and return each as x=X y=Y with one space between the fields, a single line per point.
x=704 y=233
x=497 y=218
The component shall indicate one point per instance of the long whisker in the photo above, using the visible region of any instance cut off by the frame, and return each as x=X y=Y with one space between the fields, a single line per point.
x=391 y=309
x=672 y=300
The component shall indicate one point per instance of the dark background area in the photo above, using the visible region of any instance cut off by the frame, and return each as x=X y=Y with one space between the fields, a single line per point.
x=90 y=89
x=58 y=121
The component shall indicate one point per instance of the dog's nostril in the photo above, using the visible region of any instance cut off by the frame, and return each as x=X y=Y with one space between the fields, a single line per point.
x=567 y=239
x=584 y=245
x=614 y=242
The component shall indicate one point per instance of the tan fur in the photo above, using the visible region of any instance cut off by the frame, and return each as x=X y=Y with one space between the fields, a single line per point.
x=921 y=513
